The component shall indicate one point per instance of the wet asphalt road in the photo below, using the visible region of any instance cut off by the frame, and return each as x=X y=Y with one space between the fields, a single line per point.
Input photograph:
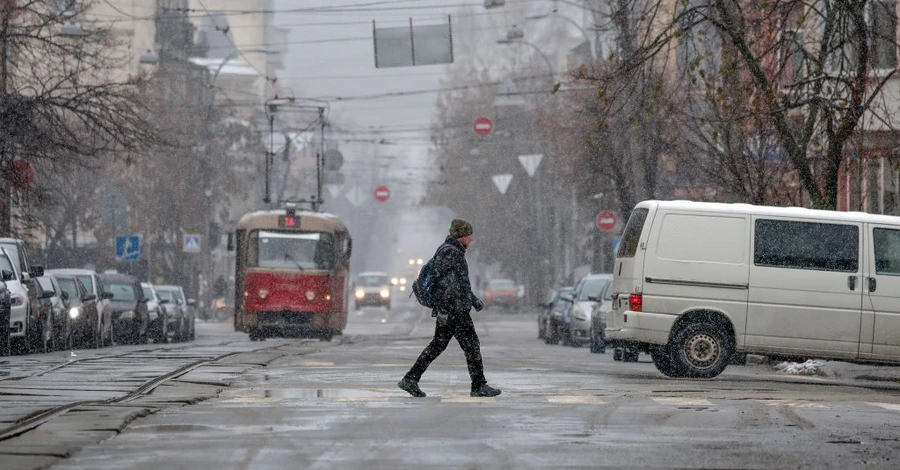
x=306 y=404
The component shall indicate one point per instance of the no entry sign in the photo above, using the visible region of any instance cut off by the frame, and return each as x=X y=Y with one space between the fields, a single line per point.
x=382 y=193
x=606 y=221
x=482 y=126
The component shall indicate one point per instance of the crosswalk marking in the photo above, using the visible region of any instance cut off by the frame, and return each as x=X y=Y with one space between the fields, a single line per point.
x=576 y=399
x=887 y=406
x=682 y=401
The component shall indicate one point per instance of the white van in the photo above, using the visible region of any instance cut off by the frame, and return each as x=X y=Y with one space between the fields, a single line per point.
x=696 y=282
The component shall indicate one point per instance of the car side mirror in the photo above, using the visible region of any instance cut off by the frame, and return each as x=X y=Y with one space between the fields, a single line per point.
x=191 y=302
x=164 y=301
x=106 y=295
x=567 y=298
x=37 y=271
x=64 y=295
x=593 y=298
x=26 y=277
x=89 y=298
x=179 y=302
x=8 y=275
x=47 y=294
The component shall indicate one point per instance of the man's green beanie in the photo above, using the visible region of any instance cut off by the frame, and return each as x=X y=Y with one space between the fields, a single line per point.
x=460 y=228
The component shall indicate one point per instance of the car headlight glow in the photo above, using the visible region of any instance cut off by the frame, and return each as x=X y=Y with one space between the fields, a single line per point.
x=394 y=281
x=385 y=293
x=360 y=294
x=74 y=312
x=403 y=280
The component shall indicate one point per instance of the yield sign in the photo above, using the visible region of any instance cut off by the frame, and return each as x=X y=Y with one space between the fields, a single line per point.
x=502 y=182
x=356 y=196
x=531 y=162
x=334 y=190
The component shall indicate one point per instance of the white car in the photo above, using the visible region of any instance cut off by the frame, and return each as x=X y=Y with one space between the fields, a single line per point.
x=158 y=322
x=22 y=318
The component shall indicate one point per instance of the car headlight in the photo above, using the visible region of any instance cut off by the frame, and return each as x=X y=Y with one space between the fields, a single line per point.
x=74 y=312
x=385 y=293
x=395 y=281
x=16 y=300
x=578 y=313
x=403 y=280
x=360 y=294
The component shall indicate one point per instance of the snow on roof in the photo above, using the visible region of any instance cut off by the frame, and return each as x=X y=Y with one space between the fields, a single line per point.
x=772 y=211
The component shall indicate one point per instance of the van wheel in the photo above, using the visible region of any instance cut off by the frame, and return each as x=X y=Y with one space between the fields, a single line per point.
x=702 y=350
x=617 y=354
x=662 y=359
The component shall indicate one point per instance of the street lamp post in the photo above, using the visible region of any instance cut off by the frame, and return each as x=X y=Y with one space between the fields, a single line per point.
x=515 y=35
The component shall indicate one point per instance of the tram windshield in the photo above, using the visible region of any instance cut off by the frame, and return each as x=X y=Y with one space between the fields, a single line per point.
x=286 y=250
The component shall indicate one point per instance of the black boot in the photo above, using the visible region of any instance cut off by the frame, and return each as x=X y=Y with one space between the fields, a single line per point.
x=411 y=387
x=485 y=391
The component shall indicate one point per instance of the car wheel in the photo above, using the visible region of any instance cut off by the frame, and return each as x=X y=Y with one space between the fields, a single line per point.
x=662 y=359
x=326 y=335
x=193 y=328
x=4 y=337
x=540 y=330
x=617 y=354
x=97 y=338
x=702 y=350
x=597 y=347
x=256 y=335
x=630 y=355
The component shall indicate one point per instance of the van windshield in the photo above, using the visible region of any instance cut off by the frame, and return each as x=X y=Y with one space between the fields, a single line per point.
x=629 y=244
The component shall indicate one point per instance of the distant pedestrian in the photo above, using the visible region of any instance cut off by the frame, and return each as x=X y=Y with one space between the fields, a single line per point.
x=455 y=299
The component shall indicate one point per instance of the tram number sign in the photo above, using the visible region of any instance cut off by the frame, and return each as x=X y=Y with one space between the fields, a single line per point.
x=287 y=221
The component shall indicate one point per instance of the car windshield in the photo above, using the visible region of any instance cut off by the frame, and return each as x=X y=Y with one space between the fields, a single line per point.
x=68 y=286
x=591 y=288
x=501 y=284
x=121 y=291
x=373 y=281
x=166 y=295
x=6 y=265
x=284 y=250
x=148 y=293
x=87 y=281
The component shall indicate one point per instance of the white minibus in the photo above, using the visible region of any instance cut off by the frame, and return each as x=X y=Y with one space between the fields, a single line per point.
x=696 y=282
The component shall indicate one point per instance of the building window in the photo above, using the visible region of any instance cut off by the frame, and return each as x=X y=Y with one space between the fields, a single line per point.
x=806 y=245
x=882 y=19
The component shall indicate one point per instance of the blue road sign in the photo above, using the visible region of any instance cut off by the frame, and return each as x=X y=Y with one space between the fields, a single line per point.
x=128 y=248
x=191 y=243
x=615 y=243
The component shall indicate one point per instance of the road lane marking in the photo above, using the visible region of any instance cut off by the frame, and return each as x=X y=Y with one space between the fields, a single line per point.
x=795 y=404
x=887 y=406
x=575 y=399
x=682 y=401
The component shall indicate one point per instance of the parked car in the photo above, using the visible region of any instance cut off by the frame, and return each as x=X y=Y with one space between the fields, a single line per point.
x=93 y=286
x=5 y=274
x=82 y=310
x=698 y=282
x=52 y=313
x=576 y=324
x=179 y=311
x=543 y=318
x=555 y=319
x=372 y=289
x=501 y=293
x=130 y=317
x=156 y=314
x=602 y=304
x=24 y=324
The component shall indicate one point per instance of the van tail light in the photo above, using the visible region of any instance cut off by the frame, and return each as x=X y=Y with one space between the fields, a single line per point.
x=636 y=302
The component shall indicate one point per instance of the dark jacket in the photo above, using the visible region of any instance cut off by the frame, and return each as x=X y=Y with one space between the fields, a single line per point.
x=453 y=289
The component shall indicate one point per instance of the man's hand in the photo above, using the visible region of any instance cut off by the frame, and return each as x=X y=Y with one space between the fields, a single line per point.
x=477 y=304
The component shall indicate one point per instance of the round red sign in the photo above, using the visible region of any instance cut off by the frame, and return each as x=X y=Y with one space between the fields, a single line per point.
x=483 y=126
x=607 y=220
x=382 y=193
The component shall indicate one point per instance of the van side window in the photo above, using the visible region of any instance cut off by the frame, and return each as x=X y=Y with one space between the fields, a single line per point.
x=887 y=251
x=806 y=245
x=629 y=244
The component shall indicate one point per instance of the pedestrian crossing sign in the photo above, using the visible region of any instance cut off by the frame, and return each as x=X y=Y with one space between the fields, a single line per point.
x=191 y=243
x=128 y=248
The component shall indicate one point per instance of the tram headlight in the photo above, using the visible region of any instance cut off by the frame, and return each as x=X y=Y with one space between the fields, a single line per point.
x=402 y=288
x=263 y=294
x=310 y=295
x=74 y=312
x=360 y=294
x=385 y=293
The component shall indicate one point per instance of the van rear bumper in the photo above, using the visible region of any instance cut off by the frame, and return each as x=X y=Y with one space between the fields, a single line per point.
x=642 y=327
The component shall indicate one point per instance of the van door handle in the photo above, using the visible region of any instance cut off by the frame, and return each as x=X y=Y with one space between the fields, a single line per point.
x=851 y=282
x=872 y=284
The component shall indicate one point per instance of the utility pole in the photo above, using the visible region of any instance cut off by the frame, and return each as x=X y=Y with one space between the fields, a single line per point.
x=6 y=201
x=320 y=159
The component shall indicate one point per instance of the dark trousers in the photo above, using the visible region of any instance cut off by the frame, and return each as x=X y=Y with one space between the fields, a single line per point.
x=462 y=328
